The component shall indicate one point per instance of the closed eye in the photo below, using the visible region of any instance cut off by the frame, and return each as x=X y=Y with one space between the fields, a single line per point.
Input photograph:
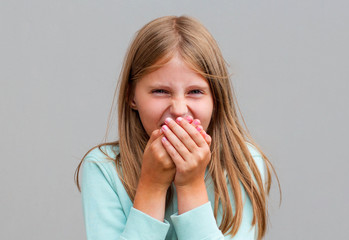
x=160 y=91
x=196 y=91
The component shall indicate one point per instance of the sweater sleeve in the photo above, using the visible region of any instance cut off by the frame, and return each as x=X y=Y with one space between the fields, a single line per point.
x=104 y=216
x=197 y=224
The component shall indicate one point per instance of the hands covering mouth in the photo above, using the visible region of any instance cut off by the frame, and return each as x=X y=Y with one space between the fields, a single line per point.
x=188 y=145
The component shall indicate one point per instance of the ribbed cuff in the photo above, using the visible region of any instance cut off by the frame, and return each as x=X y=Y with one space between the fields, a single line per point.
x=198 y=223
x=142 y=226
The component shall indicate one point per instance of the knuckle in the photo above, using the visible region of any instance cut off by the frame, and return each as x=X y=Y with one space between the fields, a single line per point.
x=200 y=154
x=196 y=133
x=154 y=133
x=153 y=147
x=196 y=153
x=206 y=149
x=185 y=137
x=194 y=165
x=177 y=145
x=161 y=155
x=167 y=165
x=181 y=169
x=204 y=154
x=194 y=147
x=209 y=139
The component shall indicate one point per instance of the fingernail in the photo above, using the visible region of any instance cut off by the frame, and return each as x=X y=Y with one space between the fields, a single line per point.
x=199 y=128
x=179 y=119
x=189 y=118
x=167 y=120
x=164 y=128
x=196 y=122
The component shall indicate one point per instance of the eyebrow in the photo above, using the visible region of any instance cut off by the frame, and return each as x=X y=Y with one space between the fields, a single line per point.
x=193 y=86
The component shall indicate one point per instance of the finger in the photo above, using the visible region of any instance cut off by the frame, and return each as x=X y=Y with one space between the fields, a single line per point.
x=189 y=119
x=159 y=148
x=196 y=123
x=179 y=138
x=175 y=156
x=203 y=134
x=194 y=130
x=207 y=137
x=154 y=135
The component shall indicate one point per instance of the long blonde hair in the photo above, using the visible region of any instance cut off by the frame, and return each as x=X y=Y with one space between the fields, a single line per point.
x=152 y=47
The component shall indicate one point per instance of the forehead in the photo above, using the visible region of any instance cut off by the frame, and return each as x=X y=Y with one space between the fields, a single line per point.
x=174 y=72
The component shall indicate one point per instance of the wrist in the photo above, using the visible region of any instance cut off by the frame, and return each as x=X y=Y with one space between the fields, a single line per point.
x=191 y=196
x=191 y=184
x=150 y=200
x=151 y=186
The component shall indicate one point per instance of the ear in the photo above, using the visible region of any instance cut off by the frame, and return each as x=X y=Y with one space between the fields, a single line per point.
x=133 y=104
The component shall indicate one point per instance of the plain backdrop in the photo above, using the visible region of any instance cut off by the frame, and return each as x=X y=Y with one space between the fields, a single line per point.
x=59 y=65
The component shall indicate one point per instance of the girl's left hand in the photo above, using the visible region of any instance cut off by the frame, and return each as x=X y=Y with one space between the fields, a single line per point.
x=189 y=147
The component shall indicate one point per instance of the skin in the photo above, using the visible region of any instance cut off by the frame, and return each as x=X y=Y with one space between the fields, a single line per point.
x=172 y=91
x=175 y=106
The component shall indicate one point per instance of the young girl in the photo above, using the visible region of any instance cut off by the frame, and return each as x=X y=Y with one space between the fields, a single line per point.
x=184 y=167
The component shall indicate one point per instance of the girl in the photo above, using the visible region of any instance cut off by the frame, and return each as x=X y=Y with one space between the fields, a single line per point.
x=184 y=167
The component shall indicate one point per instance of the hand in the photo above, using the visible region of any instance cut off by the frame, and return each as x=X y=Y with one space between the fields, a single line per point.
x=189 y=149
x=158 y=169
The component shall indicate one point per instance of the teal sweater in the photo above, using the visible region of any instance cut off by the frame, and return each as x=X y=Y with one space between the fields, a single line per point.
x=109 y=213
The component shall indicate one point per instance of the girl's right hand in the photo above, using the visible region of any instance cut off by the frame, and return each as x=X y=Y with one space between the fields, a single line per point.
x=157 y=173
x=158 y=169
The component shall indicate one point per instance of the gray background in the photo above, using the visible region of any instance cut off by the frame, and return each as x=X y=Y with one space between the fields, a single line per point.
x=60 y=61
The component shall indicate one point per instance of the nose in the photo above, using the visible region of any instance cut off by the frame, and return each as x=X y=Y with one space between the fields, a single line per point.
x=179 y=107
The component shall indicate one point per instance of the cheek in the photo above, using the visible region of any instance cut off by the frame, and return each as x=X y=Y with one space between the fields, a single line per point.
x=151 y=114
x=206 y=121
x=205 y=114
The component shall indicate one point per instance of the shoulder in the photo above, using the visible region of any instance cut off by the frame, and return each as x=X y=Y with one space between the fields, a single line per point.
x=253 y=149
x=100 y=162
x=102 y=153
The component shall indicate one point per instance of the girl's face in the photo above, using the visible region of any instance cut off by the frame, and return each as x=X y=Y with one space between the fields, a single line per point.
x=173 y=90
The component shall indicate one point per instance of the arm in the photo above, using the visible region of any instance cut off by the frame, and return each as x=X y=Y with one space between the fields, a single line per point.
x=195 y=219
x=156 y=176
x=188 y=146
x=104 y=216
x=199 y=223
